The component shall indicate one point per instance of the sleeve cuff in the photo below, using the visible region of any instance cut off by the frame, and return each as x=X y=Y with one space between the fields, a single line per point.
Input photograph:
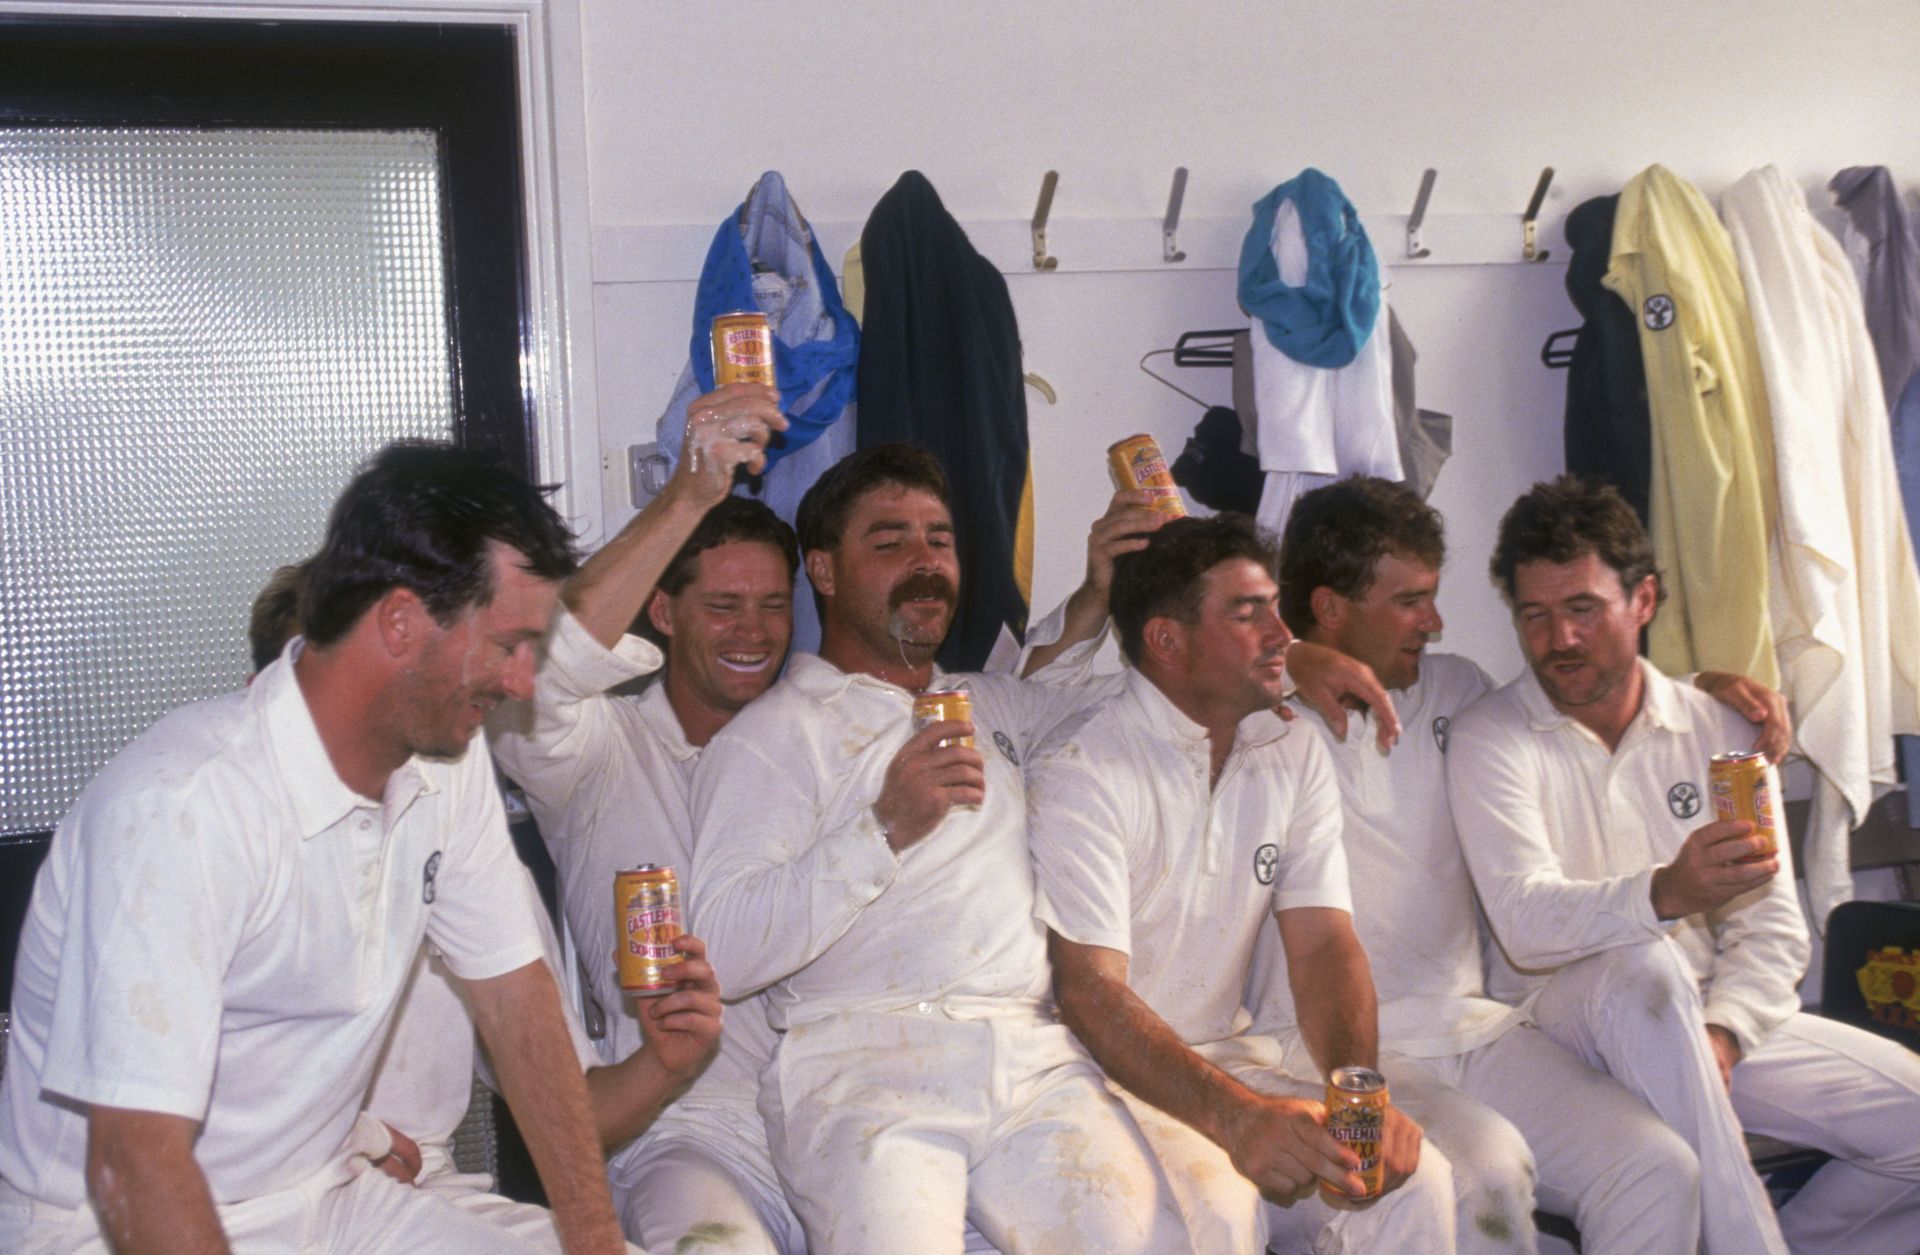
x=1736 y=1020
x=583 y=667
x=1317 y=897
x=1083 y=935
x=128 y=1094
x=498 y=962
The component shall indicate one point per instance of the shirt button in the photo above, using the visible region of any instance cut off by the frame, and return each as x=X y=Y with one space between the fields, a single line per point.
x=926 y=1008
x=365 y=824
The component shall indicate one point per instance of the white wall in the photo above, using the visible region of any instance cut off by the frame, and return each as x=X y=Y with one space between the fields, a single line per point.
x=688 y=101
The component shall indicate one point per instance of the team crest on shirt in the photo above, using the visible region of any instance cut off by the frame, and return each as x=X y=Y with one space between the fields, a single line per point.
x=1659 y=311
x=1005 y=743
x=429 y=874
x=1683 y=800
x=1266 y=861
x=1440 y=728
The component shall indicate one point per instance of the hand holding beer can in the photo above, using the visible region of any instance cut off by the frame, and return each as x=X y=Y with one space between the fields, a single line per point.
x=1357 y=1118
x=646 y=904
x=942 y=706
x=1137 y=463
x=1738 y=782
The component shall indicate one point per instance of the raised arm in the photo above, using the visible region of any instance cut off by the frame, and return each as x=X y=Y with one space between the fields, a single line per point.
x=1124 y=528
x=147 y=1187
x=727 y=428
x=1280 y=1144
x=519 y=1017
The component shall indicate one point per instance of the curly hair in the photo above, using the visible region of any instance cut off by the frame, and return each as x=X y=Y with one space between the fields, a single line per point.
x=1164 y=579
x=1336 y=536
x=1564 y=519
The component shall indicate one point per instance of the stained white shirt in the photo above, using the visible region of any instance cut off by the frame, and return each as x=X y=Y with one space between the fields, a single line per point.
x=1136 y=849
x=1413 y=903
x=794 y=886
x=222 y=930
x=607 y=777
x=1563 y=838
x=424 y=1082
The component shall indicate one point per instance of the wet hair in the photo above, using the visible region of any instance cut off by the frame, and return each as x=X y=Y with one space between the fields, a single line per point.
x=1564 y=519
x=1164 y=579
x=734 y=519
x=275 y=617
x=823 y=512
x=1337 y=535
x=420 y=515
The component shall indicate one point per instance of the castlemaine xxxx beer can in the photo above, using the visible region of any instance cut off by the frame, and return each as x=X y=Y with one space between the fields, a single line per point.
x=1137 y=462
x=742 y=348
x=941 y=705
x=1357 y=1118
x=646 y=905
x=1738 y=782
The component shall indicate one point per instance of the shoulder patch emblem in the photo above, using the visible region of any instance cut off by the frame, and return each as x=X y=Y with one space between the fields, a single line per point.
x=1005 y=743
x=1440 y=727
x=1683 y=800
x=1659 y=311
x=428 y=875
x=1266 y=862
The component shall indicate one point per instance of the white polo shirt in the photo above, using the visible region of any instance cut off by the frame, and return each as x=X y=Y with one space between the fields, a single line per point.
x=423 y=1084
x=1563 y=838
x=1413 y=903
x=221 y=932
x=795 y=887
x=607 y=777
x=1136 y=850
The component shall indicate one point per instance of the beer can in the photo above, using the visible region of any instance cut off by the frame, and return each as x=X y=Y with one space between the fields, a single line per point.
x=941 y=705
x=646 y=905
x=1357 y=1118
x=1136 y=462
x=742 y=348
x=1738 y=782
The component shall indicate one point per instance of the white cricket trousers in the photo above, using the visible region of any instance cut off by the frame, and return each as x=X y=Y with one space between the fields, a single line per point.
x=1636 y=1012
x=1526 y=1124
x=890 y=1130
x=1225 y=1213
x=708 y=1187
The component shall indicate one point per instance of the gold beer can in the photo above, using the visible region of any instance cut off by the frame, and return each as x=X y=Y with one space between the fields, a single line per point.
x=646 y=905
x=941 y=705
x=1137 y=462
x=1357 y=1118
x=742 y=348
x=1738 y=782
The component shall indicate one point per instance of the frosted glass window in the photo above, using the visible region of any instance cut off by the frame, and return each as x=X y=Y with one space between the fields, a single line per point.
x=202 y=333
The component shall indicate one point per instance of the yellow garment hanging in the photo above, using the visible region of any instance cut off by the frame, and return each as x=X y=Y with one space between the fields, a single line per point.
x=1713 y=494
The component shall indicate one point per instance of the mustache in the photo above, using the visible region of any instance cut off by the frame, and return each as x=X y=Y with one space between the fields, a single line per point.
x=1563 y=656
x=923 y=584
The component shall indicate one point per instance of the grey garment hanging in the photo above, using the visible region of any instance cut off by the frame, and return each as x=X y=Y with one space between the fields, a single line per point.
x=1892 y=282
x=1425 y=436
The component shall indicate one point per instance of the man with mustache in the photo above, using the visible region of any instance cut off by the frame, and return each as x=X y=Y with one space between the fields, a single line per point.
x=874 y=879
x=1641 y=934
x=227 y=916
x=1173 y=826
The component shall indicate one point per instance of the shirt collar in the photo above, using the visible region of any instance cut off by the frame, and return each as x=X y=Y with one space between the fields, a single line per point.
x=1661 y=707
x=320 y=797
x=658 y=714
x=824 y=682
x=1158 y=715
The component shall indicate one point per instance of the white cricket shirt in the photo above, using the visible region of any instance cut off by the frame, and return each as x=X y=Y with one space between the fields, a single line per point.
x=222 y=929
x=1136 y=850
x=1413 y=903
x=1563 y=838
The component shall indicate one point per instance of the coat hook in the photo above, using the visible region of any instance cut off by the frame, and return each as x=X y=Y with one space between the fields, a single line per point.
x=1419 y=216
x=1529 y=238
x=1040 y=259
x=1168 y=250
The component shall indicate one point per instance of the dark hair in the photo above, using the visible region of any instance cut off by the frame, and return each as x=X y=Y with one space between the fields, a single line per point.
x=420 y=515
x=1163 y=580
x=275 y=617
x=823 y=511
x=1565 y=519
x=734 y=519
x=1336 y=536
